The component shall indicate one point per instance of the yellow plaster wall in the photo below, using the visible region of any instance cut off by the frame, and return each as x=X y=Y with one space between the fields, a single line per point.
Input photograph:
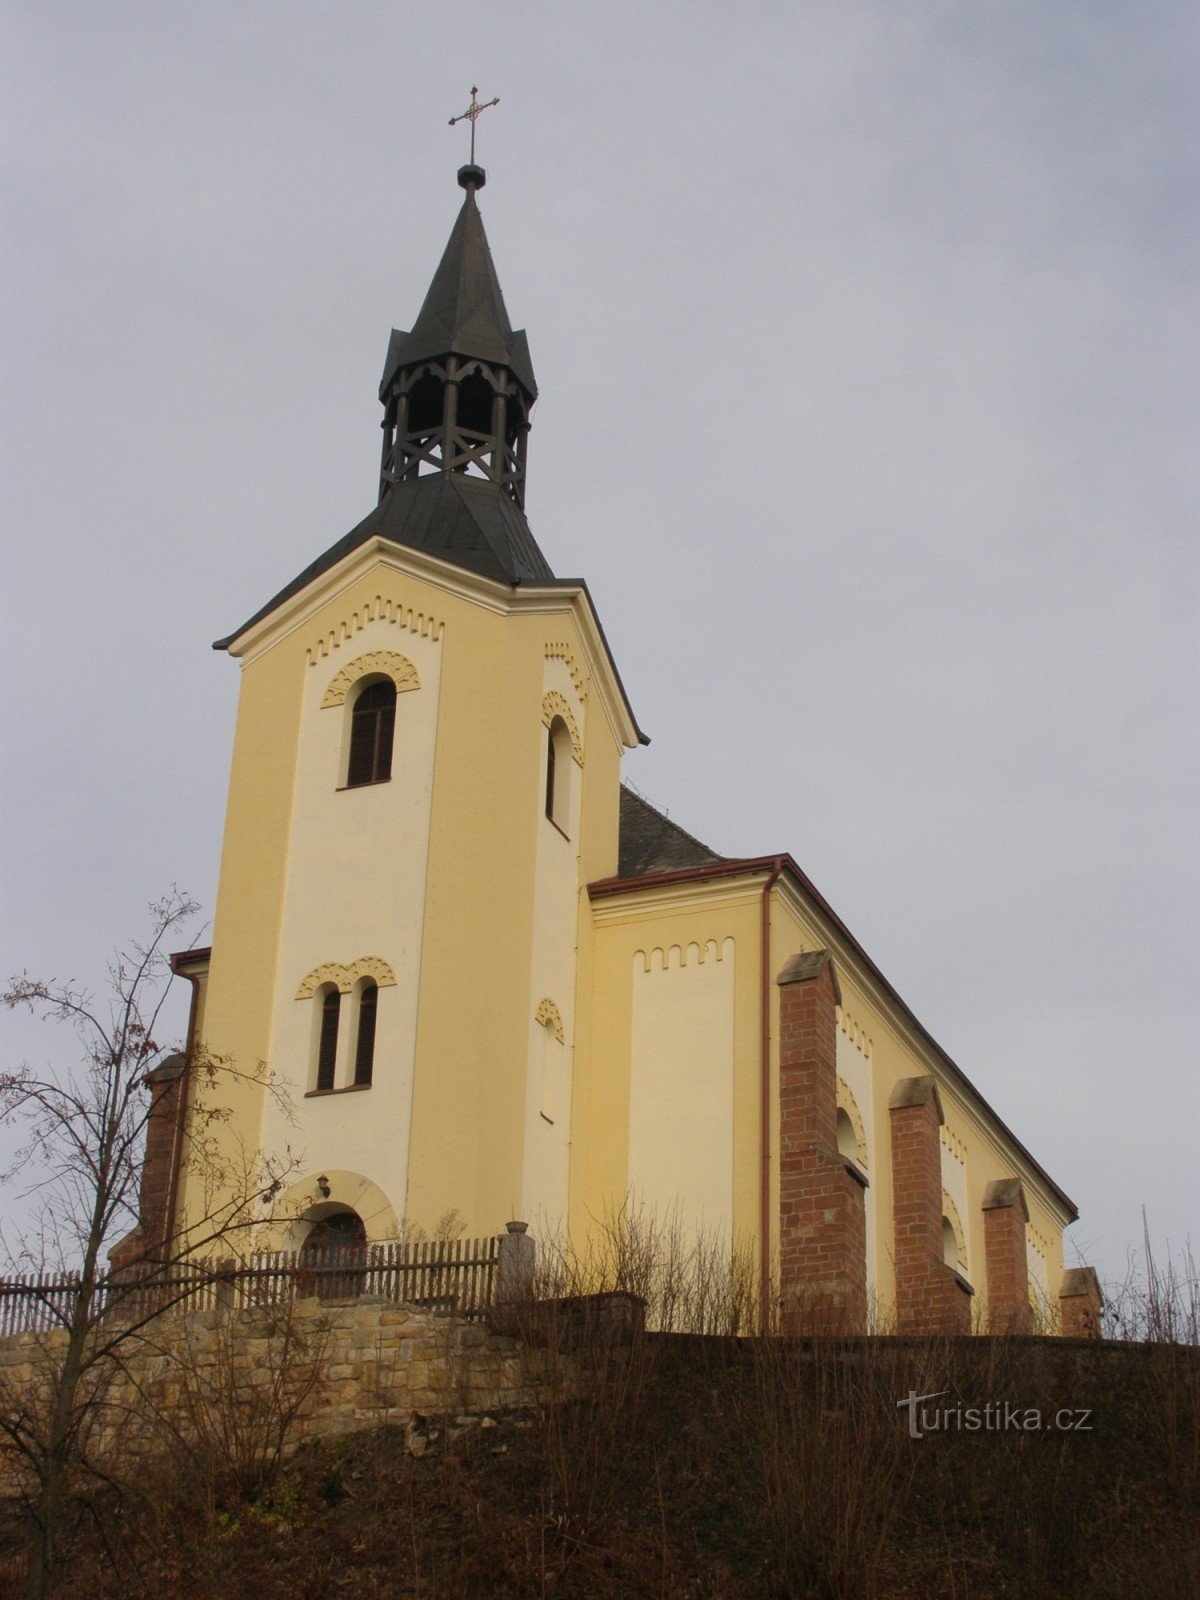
x=626 y=933
x=481 y=891
x=247 y=919
x=501 y=916
x=681 y=1125
x=507 y=922
x=356 y=888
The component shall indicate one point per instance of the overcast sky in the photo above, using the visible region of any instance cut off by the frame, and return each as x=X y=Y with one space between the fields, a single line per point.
x=866 y=339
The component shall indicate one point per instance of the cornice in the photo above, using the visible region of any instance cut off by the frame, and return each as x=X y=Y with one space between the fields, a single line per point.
x=633 y=905
x=566 y=598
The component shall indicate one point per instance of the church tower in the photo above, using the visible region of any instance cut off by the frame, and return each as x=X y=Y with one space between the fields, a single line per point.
x=490 y=981
x=425 y=778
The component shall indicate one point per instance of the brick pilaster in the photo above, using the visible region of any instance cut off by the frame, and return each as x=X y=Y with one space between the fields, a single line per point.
x=1080 y=1302
x=1005 y=1214
x=822 y=1217
x=165 y=1084
x=929 y=1297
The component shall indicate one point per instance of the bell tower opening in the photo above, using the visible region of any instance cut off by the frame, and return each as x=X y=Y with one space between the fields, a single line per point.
x=458 y=389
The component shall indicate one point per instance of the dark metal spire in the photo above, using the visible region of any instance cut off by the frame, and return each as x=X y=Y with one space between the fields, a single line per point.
x=459 y=387
x=463 y=312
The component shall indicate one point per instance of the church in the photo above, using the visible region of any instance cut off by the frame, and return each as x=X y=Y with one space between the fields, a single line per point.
x=496 y=981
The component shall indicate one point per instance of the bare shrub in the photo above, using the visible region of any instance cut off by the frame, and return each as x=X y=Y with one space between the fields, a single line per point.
x=690 y=1280
x=590 y=1332
x=229 y=1391
x=821 y=1416
x=84 y=1124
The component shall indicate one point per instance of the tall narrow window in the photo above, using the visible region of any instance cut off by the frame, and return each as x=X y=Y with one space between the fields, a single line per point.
x=550 y=760
x=331 y=1008
x=558 y=775
x=364 y=1046
x=372 y=727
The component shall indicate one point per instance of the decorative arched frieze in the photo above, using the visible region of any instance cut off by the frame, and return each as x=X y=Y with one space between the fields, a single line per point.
x=346 y=975
x=378 y=609
x=856 y=1034
x=555 y=705
x=378 y=663
x=373 y=967
x=547 y=1015
x=558 y=650
x=660 y=958
x=954 y=1143
x=847 y=1103
x=950 y=1212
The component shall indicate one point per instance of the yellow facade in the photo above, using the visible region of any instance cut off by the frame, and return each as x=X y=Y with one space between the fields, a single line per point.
x=551 y=1038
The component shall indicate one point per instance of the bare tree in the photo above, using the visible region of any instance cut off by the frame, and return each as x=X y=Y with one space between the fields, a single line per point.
x=83 y=1128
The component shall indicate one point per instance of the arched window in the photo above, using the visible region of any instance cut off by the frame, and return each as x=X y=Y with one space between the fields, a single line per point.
x=558 y=773
x=475 y=396
x=949 y=1244
x=372 y=727
x=327 y=1036
x=426 y=403
x=847 y=1139
x=341 y=1230
x=364 y=1043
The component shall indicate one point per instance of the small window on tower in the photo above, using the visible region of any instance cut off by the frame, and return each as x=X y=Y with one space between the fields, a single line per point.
x=372 y=728
x=364 y=1045
x=330 y=1002
x=949 y=1244
x=558 y=775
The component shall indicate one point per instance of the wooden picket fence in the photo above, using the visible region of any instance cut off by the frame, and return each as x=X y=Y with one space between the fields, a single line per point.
x=457 y=1275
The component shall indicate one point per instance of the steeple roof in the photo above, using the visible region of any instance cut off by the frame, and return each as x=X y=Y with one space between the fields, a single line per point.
x=473 y=522
x=464 y=313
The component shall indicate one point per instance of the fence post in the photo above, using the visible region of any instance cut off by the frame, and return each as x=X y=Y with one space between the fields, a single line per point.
x=516 y=1259
x=226 y=1283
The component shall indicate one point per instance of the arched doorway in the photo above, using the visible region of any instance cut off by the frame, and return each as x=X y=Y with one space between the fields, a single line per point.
x=333 y=1257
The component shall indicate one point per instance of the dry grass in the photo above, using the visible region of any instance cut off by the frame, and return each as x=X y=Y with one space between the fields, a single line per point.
x=715 y=1464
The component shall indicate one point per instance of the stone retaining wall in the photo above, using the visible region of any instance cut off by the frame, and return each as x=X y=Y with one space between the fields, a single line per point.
x=241 y=1379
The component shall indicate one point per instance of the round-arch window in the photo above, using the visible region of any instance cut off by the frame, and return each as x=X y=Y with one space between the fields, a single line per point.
x=949 y=1244
x=327 y=1036
x=372 y=728
x=847 y=1139
x=558 y=773
x=364 y=1044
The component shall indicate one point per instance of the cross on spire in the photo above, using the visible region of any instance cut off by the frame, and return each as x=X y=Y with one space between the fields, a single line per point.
x=474 y=111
